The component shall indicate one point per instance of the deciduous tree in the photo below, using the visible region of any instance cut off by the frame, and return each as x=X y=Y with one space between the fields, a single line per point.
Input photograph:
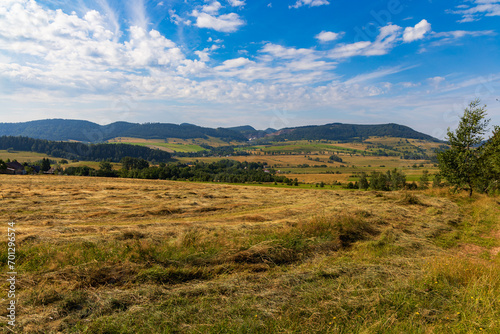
x=463 y=164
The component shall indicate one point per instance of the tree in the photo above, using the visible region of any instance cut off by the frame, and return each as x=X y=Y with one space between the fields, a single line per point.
x=491 y=158
x=45 y=165
x=436 y=182
x=363 y=181
x=462 y=165
x=106 y=169
x=424 y=179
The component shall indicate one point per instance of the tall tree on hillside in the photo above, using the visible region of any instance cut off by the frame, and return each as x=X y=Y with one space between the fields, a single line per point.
x=463 y=164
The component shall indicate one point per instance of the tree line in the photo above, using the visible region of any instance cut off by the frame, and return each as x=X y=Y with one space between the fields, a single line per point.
x=80 y=151
x=228 y=171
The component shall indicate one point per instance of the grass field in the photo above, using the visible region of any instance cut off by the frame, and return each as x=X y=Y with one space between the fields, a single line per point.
x=22 y=156
x=97 y=255
x=174 y=144
x=171 y=145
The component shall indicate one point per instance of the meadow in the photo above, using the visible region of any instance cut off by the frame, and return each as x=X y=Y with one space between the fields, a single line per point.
x=21 y=156
x=99 y=255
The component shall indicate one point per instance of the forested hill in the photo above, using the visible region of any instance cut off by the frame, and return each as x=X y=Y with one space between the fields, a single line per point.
x=348 y=132
x=80 y=151
x=84 y=131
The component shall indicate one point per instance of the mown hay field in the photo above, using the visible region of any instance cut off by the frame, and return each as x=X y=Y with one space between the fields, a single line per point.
x=98 y=255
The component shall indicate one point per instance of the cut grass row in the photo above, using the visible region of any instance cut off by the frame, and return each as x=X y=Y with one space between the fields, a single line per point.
x=125 y=256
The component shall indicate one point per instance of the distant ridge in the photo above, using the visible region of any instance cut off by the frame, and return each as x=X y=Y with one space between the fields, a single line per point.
x=348 y=132
x=85 y=131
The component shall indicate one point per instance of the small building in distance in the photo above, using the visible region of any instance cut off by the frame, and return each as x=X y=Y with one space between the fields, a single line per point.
x=52 y=170
x=14 y=168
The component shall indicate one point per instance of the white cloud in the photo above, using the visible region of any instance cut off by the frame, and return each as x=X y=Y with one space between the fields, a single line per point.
x=436 y=81
x=462 y=33
x=233 y=63
x=137 y=11
x=237 y=3
x=378 y=74
x=212 y=8
x=328 y=36
x=203 y=55
x=478 y=10
x=448 y=37
x=224 y=23
x=54 y=64
x=349 y=50
x=279 y=51
x=385 y=41
x=174 y=18
x=417 y=32
x=310 y=3
x=410 y=84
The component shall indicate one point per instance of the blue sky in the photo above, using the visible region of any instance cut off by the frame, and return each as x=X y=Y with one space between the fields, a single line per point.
x=263 y=63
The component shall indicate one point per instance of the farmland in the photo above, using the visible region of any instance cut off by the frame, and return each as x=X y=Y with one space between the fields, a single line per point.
x=99 y=255
x=307 y=161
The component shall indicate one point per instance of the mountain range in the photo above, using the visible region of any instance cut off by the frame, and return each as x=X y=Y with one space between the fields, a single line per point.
x=85 y=131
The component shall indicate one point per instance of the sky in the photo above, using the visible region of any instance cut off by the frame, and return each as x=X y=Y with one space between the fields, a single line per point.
x=269 y=64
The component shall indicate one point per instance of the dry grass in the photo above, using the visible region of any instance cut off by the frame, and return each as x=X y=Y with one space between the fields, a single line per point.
x=100 y=255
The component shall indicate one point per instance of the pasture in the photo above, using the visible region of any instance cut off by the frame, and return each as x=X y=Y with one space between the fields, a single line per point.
x=98 y=255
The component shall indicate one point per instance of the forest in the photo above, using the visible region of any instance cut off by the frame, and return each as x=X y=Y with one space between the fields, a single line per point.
x=228 y=171
x=80 y=151
x=349 y=132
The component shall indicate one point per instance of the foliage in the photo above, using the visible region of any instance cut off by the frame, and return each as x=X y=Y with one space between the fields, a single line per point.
x=424 y=179
x=80 y=171
x=60 y=129
x=71 y=150
x=344 y=132
x=336 y=158
x=391 y=180
x=436 y=181
x=491 y=175
x=464 y=164
x=229 y=171
x=363 y=181
x=129 y=163
x=106 y=169
x=45 y=166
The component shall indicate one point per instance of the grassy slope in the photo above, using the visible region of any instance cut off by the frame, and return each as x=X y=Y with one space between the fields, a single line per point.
x=22 y=156
x=174 y=144
x=136 y=256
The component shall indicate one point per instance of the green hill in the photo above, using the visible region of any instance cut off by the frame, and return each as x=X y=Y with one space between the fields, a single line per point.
x=62 y=129
x=349 y=132
x=85 y=131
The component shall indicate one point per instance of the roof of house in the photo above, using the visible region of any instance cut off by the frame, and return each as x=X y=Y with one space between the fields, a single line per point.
x=15 y=165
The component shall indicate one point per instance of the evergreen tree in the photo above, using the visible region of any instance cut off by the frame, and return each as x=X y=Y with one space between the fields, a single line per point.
x=45 y=165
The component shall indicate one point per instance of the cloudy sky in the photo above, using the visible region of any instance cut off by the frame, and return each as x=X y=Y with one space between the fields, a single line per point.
x=264 y=63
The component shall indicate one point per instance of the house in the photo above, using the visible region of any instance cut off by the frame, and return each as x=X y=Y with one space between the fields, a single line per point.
x=15 y=168
x=50 y=171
